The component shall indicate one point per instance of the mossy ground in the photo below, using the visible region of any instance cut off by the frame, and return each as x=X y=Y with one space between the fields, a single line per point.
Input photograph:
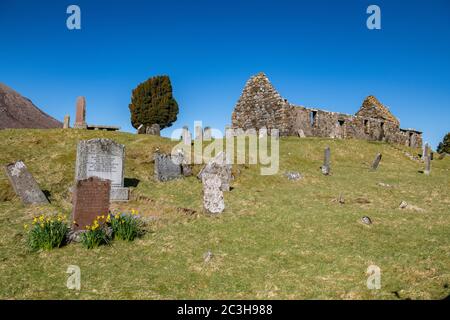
x=277 y=239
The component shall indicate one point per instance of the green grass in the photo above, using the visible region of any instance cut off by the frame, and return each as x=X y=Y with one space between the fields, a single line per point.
x=277 y=239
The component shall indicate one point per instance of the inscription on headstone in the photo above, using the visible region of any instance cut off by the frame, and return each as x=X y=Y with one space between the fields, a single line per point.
x=24 y=185
x=91 y=198
x=103 y=158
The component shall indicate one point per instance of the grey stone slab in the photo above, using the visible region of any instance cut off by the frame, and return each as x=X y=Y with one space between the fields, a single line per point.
x=167 y=168
x=213 y=201
x=24 y=184
x=102 y=158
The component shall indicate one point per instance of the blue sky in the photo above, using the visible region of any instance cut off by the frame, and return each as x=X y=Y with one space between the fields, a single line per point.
x=316 y=53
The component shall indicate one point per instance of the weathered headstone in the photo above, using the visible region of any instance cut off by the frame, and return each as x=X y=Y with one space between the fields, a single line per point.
x=91 y=198
x=154 y=130
x=186 y=136
x=24 y=185
x=218 y=166
x=66 y=122
x=213 y=201
x=103 y=158
x=262 y=132
x=198 y=133
x=182 y=160
x=376 y=162
x=326 y=163
x=427 y=165
x=366 y=220
x=166 y=168
x=80 y=119
x=301 y=133
x=207 y=136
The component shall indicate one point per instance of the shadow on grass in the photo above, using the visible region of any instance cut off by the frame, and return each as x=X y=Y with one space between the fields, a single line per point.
x=131 y=182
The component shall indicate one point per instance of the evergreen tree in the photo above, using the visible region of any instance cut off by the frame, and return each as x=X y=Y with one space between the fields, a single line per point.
x=444 y=146
x=152 y=102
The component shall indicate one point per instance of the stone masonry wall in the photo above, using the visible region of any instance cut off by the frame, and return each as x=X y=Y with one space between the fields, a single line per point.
x=261 y=106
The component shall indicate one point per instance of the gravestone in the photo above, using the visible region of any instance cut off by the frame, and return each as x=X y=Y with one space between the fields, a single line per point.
x=326 y=163
x=301 y=133
x=80 y=118
x=154 y=130
x=376 y=162
x=24 y=185
x=213 y=201
x=198 y=133
x=427 y=165
x=207 y=134
x=262 y=132
x=66 y=122
x=218 y=166
x=90 y=199
x=166 y=167
x=186 y=136
x=366 y=220
x=103 y=158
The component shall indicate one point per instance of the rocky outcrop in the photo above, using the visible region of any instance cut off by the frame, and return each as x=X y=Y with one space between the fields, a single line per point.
x=19 y=112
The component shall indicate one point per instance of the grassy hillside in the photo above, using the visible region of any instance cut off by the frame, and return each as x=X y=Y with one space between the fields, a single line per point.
x=277 y=239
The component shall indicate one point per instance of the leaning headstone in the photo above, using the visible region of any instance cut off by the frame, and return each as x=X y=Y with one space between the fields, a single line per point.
x=326 y=163
x=166 y=168
x=376 y=162
x=179 y=158
x=427 y=165
x=212 y=194
x=154 y=130
x=24 y=185
x=90 y=199
x=66 y=122
x=103 y=158
x=207 y=134
x=218 y=166
x=80 y=118
x=301 y=133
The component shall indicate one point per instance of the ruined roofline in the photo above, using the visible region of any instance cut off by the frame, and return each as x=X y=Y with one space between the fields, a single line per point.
x=411 y=130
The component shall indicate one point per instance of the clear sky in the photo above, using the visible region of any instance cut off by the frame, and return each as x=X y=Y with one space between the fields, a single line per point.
x=316 y=53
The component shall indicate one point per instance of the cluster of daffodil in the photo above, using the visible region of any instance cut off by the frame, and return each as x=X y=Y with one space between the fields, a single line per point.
x=96 y=233
x=47 y=232
x=126 y=226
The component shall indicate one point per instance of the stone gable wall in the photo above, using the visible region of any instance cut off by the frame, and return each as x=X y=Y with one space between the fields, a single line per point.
x=261 y=106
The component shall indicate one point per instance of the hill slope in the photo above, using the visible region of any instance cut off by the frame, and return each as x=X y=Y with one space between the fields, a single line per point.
x=276 y=239
x=19 y=112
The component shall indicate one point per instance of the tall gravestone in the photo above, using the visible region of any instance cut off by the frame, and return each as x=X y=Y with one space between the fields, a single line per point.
x=80 y=117
x=213 y=201
x=24 y=185
x=91 y=198
x=326 y=162
x=103 y=158
x=186 y=136
x=427 y=165
x=376 y=162
x=207 y=134
x=66 y=122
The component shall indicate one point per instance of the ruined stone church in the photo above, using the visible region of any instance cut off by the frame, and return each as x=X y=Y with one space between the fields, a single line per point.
x=261 y=106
